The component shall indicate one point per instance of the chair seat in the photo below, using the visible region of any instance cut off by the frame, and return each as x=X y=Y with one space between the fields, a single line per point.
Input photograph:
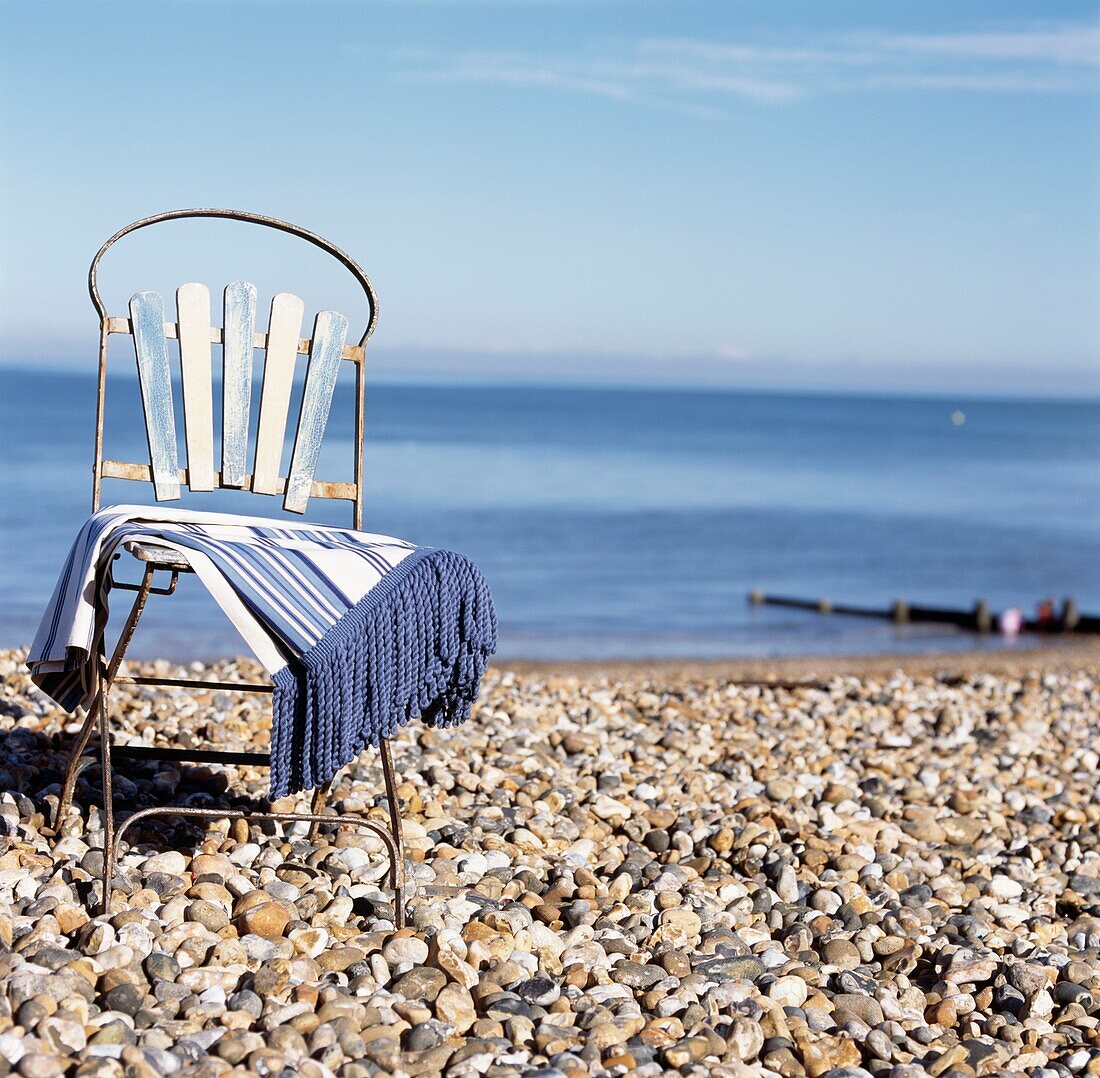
x=159 y=556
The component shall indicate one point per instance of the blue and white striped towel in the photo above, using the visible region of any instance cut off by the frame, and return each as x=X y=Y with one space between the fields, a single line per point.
x=359 y=632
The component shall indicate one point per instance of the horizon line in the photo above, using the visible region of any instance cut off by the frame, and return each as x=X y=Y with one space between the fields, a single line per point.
x=449 y=380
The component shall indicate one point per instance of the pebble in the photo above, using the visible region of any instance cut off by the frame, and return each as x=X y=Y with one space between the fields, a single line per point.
x=789 y=991
x=424 y=984
x=842 y=953
x=266 y=918
x=864 y=1009
x=403 y=952
x=786 y=887
x=455 y=1006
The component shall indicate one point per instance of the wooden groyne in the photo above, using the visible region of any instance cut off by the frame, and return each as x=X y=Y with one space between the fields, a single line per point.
x=978 y=618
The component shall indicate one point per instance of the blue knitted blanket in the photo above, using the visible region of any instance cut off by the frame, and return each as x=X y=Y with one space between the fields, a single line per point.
x=360 y=632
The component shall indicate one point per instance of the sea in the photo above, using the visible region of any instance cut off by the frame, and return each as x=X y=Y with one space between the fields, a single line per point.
x=631 y=523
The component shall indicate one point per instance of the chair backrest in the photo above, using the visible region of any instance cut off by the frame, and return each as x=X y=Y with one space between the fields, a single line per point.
x=238 y=338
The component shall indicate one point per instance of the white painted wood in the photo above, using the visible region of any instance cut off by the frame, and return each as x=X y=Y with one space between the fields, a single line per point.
x=240 y=326
x=282 y=350
x=193 y=308
x=151 y=349
x=330 y=331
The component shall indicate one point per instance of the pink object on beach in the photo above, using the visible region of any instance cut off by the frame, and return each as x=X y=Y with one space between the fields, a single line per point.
x=1012 y=621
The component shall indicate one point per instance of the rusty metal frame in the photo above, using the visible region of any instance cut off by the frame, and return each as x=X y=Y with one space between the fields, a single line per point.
x=107 y=674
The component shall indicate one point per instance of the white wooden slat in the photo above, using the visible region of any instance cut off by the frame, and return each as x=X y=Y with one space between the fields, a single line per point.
x=151 y=349
x=240 y=325
x=193 y=308
x=330 y=331
x=282 y=350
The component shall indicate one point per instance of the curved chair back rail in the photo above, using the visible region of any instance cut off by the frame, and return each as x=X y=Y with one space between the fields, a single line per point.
x=340 y=255
x=238 y=338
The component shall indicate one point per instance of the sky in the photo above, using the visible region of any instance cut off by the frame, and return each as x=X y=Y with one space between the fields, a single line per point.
x=706 y=192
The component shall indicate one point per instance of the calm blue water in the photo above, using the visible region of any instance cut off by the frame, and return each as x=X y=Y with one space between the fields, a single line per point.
x=632 y=523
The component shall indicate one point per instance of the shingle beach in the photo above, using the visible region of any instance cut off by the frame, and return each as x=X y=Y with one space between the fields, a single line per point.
x=614 y=871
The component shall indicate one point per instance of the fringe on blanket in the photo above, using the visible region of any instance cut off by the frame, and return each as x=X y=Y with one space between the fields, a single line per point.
x=416 y=644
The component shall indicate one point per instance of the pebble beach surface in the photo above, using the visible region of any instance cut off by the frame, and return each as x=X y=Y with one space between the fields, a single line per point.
x=634 y=871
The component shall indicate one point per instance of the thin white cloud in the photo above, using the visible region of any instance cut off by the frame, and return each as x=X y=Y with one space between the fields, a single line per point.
x=703 y=77
x=657 y=86
x=760 y=56
x=1072 y=44
x=520 y=71
x=1069 y=45
x=1019 y=83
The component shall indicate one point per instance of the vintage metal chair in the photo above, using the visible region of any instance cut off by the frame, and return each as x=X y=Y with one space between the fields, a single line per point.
x=281 y=345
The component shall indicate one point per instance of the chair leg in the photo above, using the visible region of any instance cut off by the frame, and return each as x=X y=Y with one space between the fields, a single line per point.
x=80 y=743
x=105 y=735
x=76 y=753
x=397 y=879
x=108 y=802
x=318 y=805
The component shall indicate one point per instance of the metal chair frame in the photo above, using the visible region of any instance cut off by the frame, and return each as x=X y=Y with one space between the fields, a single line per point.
x=107 y=673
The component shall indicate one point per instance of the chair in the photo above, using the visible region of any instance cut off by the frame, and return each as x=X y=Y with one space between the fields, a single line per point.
x=281 y=345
